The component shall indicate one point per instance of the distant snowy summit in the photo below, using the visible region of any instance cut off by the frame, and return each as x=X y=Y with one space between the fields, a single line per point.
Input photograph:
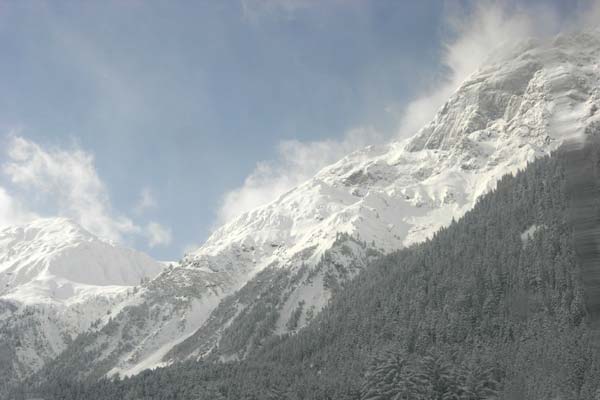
x=56 y=260
x=58 y=280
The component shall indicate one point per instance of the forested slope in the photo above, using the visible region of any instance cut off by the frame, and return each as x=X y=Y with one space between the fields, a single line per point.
x=492 y=307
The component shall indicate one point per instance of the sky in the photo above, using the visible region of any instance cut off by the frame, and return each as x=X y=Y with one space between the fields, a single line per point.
x=151 y=123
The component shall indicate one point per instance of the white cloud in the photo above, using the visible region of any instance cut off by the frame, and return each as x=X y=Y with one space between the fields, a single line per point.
x=488 y=29
x=296 y=163
x=158 y=235
x=12 y=211
x=147 y=201
x=67 y=178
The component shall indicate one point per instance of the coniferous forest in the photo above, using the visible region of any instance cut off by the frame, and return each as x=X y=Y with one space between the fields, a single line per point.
x=492 y=307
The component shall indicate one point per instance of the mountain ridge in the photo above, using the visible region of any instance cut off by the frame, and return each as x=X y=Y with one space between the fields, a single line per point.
x=58 y=280
x=492 y=307
x=513 y=110
x=52 y=250
x=502 y=117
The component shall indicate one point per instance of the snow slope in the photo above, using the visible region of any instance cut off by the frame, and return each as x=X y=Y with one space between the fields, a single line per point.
x=520 y=105
x=511 y=111
x=55 y=260
x=56 y=280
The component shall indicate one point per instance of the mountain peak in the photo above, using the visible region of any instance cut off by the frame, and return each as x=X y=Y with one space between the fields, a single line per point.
x=47 y=254
x=516 y=92
x=522 y=104
x=57 y=230
x=56 y=280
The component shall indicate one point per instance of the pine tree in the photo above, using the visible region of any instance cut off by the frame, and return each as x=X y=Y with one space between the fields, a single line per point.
x=389 y=378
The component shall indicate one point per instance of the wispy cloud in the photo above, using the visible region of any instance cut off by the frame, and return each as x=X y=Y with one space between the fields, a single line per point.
x=296 y=162
x=490 y=27
x=484 y=30
x=473 y=33
x=67 y=179
x=12 y=211
x=147 y=201
x=158 y=235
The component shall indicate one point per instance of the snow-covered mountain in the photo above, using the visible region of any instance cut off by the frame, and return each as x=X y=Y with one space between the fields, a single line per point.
x=522 y=104
x=277 y=266
x=56 y=281
x=515 y=108
x=55 y=260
